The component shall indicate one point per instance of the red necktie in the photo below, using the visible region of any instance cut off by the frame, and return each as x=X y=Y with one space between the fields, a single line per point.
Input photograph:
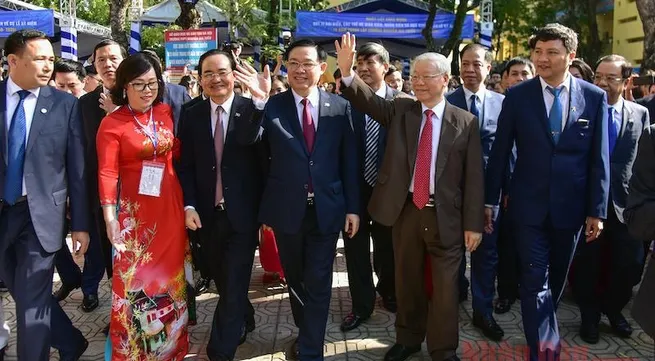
x=308 y=131
x=423 y=163
x=218 y=148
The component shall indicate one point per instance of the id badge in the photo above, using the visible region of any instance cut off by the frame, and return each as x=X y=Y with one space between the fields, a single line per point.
x=152 y=174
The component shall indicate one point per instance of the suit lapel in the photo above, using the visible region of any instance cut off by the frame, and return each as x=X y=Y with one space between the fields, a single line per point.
x=323 y=114
x=459 y=99
x=3 y=122
x=413 y=121
x=41 y=114
x=577 y=103
x=446 y=138
x=293 y=121
x=627 y=122
x=235 y=115
x=540 y=106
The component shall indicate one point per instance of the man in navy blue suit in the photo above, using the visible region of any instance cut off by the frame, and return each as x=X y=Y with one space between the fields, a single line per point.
x=560 y=181
x=312 y=188
x=41 y=164
x=472 y=96
x=627 y=120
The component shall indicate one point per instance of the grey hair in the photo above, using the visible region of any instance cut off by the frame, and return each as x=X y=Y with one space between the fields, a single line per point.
x=440 y=62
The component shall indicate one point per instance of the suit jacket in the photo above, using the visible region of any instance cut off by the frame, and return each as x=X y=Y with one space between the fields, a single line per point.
x=176 y=96
x=492 y=105
x=240 y=169
x=92 y=115
x=642 y=307
x=567 y=181
x=640 y=204
x=649 y=103
x=635 y=119
x=459 y=176
x=333 y=169
x=54 y=165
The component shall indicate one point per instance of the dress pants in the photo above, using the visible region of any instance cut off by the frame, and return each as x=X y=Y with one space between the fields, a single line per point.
x=484 y=262
x=307 y=259
x=358 y=261
x=626 y=254
x=416 y=233
x=230 y=256
x=27 y=270
x=94 y=266
x=545 y=254
x=508 y=263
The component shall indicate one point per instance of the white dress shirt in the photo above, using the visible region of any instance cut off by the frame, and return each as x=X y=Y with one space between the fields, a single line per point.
x=564 y=97
x=225 y=114
x=314 y=99
x=481 y=93
x=437 y=119
x=29 y=104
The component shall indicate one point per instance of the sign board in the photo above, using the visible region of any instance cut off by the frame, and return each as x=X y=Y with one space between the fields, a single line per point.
x=186 y=46
x=395 y=26
x=42 y=20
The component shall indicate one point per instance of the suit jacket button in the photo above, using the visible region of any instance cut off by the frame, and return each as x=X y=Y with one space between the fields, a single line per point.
x=214 y=168
x=306 y=186
x=311 y=162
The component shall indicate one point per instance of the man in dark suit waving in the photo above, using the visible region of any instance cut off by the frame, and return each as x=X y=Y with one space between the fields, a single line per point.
x=41 y=163
x=222 y=184
x=312 y=187
x=560 y=181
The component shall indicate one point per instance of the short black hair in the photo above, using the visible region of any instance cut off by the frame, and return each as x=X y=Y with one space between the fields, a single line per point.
x=207 y=54
x=392 y=69
x=488 y=57
x=108 y=42
x=90 y=70
x=369 y=50
x=626 y=67
x=186 y=80
x=519 y=61
x=17 y=41
x=132 y=68
x=584 y=69
x=306 y=43
x=70 y=66
x=337 y=74
x=555 y=31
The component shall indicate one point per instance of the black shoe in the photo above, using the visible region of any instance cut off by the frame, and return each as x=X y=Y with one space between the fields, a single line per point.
x=389 y=304
x=244 y=335
x=589 y=332
x=65 y=290
x=90 y=302
x=80 y=351
x=2 y=353
x=351 y=322
x=399 y=352
x=202 y=285
x=620 y=325
x=463 y=296
x=291 y=353
x=250 y=323
x=503 y=305
x=248 y=326
x=105 y=330
x=3 y=287
x=488 y=326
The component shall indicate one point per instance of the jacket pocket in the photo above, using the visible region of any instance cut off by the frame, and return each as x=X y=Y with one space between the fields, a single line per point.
x=60 y=196
x=337 y=187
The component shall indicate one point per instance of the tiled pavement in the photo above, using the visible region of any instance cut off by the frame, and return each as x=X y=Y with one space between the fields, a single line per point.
x=275 y=329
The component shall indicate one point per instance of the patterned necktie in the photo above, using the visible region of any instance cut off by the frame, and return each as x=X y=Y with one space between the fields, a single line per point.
x=16 y=152
x=423 y=160
x=612 y=133
x=474 y=106
x=555 y=116
x=218 y=148
x=371 y=155
x=308 y=132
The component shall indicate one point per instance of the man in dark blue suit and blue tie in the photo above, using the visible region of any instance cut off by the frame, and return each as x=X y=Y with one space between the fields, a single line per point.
x=485 y=105
x=42 y=163
x=626 y=122
x=560 y=181
x=312 y=187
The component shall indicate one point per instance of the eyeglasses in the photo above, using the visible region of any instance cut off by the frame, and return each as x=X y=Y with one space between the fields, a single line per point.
x=608 y=78
x=424 y=78
x=308 y=65
x=154 y=85
x=220 y=74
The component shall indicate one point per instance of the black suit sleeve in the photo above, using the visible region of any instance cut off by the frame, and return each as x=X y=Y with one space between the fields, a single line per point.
x=640 y=206
x=350 y=166
x=186 y=167
x=75 y=170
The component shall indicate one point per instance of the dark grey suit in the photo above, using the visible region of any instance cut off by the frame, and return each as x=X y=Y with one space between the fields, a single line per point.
x=30 y=231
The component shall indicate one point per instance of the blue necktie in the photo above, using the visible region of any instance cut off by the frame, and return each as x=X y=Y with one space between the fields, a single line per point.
x=555 y=115
x=16 y=152
x=474 y=106
x=612 y=133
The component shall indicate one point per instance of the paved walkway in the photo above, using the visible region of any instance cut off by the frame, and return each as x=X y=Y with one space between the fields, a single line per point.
x=275 y=329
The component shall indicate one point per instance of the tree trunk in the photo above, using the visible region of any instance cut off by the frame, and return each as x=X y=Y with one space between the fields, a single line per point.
x=190 y=17
x=498 y=32
x=454 y=63
x=594 y=45
x=117 y=21
x=456 y=33
x=646 y=10
x=274 y=22
x=429 y=23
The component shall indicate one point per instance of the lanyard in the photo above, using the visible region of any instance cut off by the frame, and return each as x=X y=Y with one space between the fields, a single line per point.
x=153 y=136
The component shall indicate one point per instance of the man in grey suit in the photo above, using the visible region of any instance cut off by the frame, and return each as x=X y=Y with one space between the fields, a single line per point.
x=626 y=123
x=485 y=105
x=42 y=152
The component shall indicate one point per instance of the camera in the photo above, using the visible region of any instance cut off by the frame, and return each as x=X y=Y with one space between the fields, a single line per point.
x=230 y=45
x=644 y=80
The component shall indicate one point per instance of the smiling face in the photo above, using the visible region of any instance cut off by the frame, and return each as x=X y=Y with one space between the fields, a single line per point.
x=142 y=90
x=217 y=78
x=304 y=69
x=552 y=60
x=371 y=70
x=428 y=84
x=32 y=68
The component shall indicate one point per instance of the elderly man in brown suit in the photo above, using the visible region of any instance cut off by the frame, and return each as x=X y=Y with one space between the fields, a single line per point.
x=430 y=189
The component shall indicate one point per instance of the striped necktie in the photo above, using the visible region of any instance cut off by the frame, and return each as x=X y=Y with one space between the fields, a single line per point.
x=371 y=155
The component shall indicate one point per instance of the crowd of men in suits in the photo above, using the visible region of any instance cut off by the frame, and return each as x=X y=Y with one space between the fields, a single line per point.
x=527 y=181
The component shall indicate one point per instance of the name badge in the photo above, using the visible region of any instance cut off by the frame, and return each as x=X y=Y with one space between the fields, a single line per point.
x=152 y=174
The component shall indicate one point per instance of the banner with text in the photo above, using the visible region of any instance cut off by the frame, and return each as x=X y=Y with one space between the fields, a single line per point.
x=394 y=26
x=186 y=46
x=42 y=20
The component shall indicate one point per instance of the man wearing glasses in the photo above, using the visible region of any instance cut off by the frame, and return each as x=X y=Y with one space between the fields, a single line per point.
x=626 y=121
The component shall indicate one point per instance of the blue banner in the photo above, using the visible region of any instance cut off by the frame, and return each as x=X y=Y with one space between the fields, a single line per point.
x=42 y=20
x=393 y=26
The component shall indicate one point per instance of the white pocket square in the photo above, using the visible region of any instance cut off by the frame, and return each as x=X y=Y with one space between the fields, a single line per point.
x=583 y=121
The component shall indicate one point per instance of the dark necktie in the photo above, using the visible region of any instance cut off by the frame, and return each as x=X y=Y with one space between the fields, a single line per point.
x=612 y=133
x=16 y=152
x=423 y=159
x=555 y=116
x=371 y=155
x=218 y=148
x=474 y=107
x=308 y=131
